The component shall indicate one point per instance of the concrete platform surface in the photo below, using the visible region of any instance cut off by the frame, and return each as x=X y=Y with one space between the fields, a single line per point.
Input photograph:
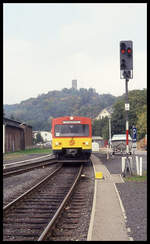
x=108 y=215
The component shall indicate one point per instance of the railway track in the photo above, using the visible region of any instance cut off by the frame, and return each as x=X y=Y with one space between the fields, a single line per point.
x=19 y=169
x=73 y=225
x=33 y=215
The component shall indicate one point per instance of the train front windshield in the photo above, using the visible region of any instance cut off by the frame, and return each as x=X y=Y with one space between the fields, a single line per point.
x=72 y=130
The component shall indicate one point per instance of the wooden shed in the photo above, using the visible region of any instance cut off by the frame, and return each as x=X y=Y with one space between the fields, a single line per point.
x=16 y=135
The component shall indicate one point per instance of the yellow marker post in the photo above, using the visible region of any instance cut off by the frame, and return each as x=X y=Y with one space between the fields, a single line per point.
x=99 y=175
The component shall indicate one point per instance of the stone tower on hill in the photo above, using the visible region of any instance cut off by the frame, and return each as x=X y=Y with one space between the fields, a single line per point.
x=74 y=84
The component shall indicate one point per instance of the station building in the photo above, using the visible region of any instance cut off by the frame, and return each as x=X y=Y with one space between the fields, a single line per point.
x=16 y=135
x=106 y=112
x=99 y=140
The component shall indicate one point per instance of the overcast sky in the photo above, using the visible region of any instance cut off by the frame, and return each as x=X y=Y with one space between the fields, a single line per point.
x=46 y=46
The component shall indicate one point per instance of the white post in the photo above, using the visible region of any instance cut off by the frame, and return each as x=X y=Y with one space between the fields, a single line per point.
x=3 y=138
x=140 y=173
x=131 y=162
x=123 y=163
x=137 y=165
x=107 y=152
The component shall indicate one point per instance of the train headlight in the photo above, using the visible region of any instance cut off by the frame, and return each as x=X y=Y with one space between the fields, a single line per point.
x=57 y=143
x=86 y=143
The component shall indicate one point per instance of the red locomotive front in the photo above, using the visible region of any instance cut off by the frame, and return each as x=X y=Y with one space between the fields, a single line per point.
x=72 y=137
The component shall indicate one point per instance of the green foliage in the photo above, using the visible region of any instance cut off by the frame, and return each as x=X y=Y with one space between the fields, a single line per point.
x=118 y=118
x=136 y=178
x=100 y=127
x=142 y=122
x=39 y=111
x=136 y=115
x=21 y=153
x=39 y=138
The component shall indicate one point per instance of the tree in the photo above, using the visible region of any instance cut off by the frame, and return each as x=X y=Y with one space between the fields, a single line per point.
x=39 y=138
x=136 y=114
x=142 y=123
x=100 y=128
x=118 y=118
x=82 y=102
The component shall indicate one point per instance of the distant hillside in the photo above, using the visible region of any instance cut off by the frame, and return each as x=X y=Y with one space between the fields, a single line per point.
x=39 y=111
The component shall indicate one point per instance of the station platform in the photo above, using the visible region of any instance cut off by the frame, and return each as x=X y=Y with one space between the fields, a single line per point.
x=108 y=215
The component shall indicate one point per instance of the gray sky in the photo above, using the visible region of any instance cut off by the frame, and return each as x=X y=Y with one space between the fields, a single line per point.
x=46 y=46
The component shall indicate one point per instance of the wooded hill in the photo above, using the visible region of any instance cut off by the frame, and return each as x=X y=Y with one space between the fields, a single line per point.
x=39 y=111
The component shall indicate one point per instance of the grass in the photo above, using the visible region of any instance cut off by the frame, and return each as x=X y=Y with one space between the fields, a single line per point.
x=26 y=152
x=136 y=178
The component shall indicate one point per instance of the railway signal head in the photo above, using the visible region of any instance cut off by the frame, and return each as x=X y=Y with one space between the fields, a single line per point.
x=126 y=59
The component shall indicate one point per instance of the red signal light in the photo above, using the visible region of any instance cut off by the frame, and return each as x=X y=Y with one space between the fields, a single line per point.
x=129 y=50
x=123 y=51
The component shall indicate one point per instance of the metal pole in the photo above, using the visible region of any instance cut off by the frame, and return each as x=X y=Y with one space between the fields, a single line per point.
x=109 y=132
x=127 y=164
x=127 y=122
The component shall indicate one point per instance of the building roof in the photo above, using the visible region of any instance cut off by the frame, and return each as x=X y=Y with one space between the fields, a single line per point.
x=97 y=138
x=14 y=123
x=109 y=109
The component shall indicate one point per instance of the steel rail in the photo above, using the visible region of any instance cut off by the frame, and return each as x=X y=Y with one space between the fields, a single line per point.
x=31 y=189
x=59 y=210
x=20 y=169
x=28 y=160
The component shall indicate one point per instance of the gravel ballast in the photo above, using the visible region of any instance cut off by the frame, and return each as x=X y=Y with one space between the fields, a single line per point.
x=133 y=196
x=16 y=185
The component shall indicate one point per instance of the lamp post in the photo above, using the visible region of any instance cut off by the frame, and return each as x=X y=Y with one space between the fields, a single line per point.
x=109 y=118
x=3 y=138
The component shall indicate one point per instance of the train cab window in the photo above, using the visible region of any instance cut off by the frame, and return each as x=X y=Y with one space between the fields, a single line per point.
x=72 y=130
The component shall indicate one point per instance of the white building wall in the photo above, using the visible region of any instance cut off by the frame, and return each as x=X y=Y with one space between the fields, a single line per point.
x=103 y=114
x=46 y=135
